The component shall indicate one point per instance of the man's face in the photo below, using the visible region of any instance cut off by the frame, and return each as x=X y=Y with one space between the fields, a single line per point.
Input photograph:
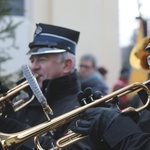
x=86 y=68
x=46 y=66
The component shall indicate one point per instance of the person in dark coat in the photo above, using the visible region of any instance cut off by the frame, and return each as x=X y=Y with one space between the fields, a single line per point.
x=52 y=56
x=89 y=75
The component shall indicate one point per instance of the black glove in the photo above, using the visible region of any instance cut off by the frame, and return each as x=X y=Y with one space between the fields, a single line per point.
x=133 y=115
x=3 y=88
x=8 y=125
x=95 y=122
x=47 y=142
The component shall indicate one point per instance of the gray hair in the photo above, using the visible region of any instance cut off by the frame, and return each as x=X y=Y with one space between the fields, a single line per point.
x=91 y=58
x=66 y=55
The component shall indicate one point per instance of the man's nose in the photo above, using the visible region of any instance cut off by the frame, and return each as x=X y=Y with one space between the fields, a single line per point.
x=35 y=66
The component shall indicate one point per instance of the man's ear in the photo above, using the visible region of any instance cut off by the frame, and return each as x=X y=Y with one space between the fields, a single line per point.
x=68 y=65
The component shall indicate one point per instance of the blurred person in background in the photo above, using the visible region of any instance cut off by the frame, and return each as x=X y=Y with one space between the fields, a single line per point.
x=123 y=79
x=89 y=76
x=122 y=82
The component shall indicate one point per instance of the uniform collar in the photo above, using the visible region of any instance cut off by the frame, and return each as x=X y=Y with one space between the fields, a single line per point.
x=62 y=86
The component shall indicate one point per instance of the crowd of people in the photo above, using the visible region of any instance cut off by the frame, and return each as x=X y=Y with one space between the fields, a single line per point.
x=52 y=56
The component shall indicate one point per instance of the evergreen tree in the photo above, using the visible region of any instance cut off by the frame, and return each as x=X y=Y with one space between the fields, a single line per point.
x=7 y=32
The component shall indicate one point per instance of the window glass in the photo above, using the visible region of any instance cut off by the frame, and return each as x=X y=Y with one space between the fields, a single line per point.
x=14 y=7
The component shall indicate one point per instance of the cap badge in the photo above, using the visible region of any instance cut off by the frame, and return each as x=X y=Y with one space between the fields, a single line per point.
x=38 y=30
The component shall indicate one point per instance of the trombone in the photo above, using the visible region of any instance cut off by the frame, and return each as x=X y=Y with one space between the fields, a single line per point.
x=74 y=137
x=20 y=103
x=7 y=140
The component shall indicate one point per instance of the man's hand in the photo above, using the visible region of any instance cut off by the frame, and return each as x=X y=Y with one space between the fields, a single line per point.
x=95 y=121
x=8 y=125
x=3 y=88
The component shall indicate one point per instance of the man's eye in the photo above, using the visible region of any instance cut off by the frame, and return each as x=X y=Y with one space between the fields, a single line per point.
x=42 y=59
x=31 y=61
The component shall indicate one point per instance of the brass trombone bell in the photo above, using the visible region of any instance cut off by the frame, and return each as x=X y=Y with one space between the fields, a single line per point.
x=7 y=140
x=138 y=55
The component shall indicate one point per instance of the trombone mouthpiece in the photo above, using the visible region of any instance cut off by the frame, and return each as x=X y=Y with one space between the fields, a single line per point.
x=36 y=76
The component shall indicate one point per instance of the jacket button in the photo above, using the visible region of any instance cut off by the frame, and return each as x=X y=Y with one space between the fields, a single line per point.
x=27 y=120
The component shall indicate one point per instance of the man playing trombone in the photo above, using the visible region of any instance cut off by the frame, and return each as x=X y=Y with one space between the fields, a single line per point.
x=52 y=57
